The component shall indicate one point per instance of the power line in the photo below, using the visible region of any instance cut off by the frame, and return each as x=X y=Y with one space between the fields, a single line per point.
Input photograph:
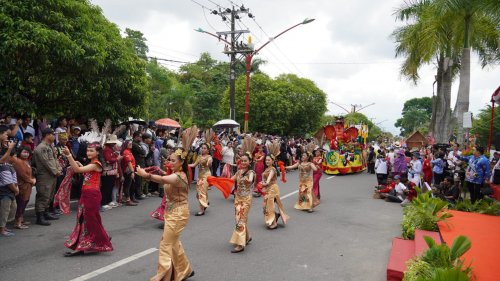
x=285 y=68
x=169 y=60
x=201 y=5
x=277 y=47
x=175 y=51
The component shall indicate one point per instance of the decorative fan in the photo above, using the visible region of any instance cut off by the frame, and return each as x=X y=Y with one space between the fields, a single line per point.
x=330 y=132
x=351 y=133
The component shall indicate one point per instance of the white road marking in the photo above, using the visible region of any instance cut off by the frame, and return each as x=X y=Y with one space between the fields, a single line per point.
x=296 y=191
x=114 y=265
x=32 y=208
x=289 y=194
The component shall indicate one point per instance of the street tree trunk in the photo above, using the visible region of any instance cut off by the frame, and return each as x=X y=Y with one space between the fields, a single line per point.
x=441 y=107
x=462 y=104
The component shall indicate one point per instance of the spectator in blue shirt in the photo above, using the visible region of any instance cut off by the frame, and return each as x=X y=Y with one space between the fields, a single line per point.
x=438 y=169
x=477 y=173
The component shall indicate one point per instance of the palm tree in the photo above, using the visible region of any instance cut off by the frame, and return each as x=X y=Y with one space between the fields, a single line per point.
x=427 y=38
x=480 y=20
x=435 y=33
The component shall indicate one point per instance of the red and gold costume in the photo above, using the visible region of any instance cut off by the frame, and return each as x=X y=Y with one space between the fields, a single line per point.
x=272 y=194
x=202 y=184
x=242 y=205
x=89 y=233
x=305 y=200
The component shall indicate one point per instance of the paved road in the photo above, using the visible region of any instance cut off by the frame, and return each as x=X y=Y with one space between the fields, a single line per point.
x=348 y=237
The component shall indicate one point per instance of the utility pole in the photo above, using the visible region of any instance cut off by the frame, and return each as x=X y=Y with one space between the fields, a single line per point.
x=233 y=50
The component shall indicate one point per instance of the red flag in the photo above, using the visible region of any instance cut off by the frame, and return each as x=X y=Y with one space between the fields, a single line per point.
x=283 y=171
x=223 y=184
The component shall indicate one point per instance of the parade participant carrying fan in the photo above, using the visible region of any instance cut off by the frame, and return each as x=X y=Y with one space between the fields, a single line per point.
x=306 y=200
x=204 y=162
x=271 y=190
x=243 y=197
x=172 y=261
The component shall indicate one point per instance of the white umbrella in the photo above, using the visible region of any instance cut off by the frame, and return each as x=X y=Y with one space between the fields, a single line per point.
x=226 y=123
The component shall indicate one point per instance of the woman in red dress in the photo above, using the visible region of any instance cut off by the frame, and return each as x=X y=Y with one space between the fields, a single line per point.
x=427 y=169
x=318 y=161
x=259 y=166
x=89 y=234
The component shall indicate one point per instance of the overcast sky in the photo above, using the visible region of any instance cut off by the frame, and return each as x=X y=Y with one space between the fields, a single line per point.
x=347 y=51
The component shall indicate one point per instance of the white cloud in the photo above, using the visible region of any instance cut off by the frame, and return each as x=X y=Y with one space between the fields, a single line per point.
x=355 y=32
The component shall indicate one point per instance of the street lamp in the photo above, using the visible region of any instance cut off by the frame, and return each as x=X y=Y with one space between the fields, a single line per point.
x=248 y=59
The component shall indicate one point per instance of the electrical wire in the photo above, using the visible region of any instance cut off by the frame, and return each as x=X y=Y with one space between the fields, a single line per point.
x=283 y=67
x=277 y=47
x=175 y=51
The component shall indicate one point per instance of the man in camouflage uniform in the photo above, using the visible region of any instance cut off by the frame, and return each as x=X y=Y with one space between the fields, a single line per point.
x=48 y=169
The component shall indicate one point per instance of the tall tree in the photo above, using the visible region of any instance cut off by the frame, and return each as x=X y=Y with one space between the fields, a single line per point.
x=471 y=12
x=434 y=32
x=65 y=57
x=138 y=42
x=428 y=37
x=416 y=115
x=205 y=81
x=287 y=105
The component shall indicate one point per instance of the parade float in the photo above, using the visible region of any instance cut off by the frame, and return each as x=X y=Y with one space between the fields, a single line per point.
x=344 y=152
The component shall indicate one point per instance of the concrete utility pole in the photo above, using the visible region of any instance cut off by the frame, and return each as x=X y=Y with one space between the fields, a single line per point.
x=234 y=49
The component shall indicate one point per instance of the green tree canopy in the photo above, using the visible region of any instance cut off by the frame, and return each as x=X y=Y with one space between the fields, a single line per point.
x=481 y=125
x=138 y=41
x=64 y=56
x=416 y=115
x=205 y=80
x=287 y=105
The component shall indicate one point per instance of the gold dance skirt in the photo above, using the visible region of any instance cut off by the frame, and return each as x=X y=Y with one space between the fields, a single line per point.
x=272 y=195
x=242 y=206
x=173 y=265
x=202 y=188
x=305 y=200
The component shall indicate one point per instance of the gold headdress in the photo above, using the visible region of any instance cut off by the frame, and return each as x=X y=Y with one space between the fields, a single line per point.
x=310 y=147
x=209 y=136
x=274 y=149
x=248 y=146
x=187 y=137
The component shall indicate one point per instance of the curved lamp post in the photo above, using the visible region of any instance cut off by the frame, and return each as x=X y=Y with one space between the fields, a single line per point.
x=248 y=59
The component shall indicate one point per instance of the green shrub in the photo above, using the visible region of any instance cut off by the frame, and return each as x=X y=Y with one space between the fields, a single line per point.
x=423 y=213
x=416 y=268
x=440 y=262
x=485 y=206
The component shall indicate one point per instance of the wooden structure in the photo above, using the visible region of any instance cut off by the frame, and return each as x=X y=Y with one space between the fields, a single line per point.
x=416 y=140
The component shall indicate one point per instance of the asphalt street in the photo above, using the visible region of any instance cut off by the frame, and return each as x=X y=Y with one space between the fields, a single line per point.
x=348 y=237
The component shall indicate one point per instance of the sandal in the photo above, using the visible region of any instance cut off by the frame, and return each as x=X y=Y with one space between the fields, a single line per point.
x=21 y=226
x=73 y=254
x=236 y=250
x=249 y=240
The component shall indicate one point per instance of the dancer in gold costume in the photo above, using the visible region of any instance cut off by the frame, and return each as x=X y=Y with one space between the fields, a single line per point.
x=173 y=265
x=271 y=195
x=204 y=162
x=306 y=196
